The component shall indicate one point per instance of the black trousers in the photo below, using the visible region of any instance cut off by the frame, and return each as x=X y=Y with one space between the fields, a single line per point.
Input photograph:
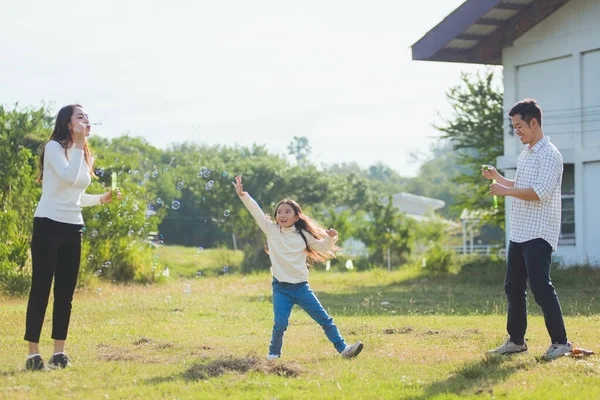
x=530 y=261
x=55 y=254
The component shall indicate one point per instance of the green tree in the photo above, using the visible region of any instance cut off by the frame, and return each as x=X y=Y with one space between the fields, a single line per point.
x=210 y=212
x=436 y=178
x=475 y=131
x=21 y=133
x=300 y=148
x=386 y=228
x=378 y=178
x=117 y=233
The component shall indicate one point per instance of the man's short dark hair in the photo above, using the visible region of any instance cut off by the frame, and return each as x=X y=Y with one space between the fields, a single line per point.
x=527 y=109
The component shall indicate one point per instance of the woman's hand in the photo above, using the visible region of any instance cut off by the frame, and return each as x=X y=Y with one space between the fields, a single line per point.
x=79 y=135
x=108 y=196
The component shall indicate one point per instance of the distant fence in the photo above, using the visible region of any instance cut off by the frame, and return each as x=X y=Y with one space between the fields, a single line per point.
x=480 y=249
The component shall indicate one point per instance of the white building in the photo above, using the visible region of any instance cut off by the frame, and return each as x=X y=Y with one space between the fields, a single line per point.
x=416 y=207
x=550 y=51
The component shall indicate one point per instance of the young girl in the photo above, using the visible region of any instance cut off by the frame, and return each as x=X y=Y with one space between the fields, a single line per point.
x=291 y=239
x=65 y=173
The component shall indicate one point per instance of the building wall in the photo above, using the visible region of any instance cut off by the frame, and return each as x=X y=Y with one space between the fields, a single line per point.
x=591 y=205
x=558 y=63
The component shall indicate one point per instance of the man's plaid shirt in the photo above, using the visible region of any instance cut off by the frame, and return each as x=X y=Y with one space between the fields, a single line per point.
x=539 y=167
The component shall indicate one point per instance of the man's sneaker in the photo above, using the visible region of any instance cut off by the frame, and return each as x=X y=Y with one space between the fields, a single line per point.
x=34 y=363
x=272 y=357
x=352 y=350
x=509 y=348
x=557 y=350
x=59 y=361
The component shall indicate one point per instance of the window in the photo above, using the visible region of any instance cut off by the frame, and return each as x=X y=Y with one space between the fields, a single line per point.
x=567 y=228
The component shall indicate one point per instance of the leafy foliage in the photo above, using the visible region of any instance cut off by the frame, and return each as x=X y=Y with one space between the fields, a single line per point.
x=475 y=131
x=184 y=192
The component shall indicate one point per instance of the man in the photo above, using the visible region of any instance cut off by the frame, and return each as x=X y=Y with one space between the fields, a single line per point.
x=535 y=227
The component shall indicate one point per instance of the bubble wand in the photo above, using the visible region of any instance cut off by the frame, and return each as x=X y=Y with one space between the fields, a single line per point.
x=495 y=198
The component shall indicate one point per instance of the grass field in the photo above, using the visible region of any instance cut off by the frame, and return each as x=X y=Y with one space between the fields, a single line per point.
x=186 y=262
x=204 y=338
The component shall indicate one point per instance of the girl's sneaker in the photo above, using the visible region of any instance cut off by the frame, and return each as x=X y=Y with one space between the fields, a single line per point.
x=352 y=350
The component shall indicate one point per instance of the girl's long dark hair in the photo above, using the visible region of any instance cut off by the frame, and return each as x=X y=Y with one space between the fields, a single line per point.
x=306 y=223
x=62 y=134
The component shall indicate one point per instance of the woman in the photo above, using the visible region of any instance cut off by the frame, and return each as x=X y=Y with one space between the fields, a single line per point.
x=66 y=170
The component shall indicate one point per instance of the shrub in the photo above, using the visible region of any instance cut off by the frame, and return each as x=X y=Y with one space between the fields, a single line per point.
x=438 y=260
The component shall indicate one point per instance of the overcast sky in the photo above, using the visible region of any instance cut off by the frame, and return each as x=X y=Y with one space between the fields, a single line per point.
x=233 y=71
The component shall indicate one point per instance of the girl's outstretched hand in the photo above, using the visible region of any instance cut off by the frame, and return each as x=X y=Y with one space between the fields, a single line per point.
x=331 y=232
x=239 y=187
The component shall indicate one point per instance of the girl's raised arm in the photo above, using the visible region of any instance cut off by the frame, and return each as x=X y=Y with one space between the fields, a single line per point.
x=259 y=216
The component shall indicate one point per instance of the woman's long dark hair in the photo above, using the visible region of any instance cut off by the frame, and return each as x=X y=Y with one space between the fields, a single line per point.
x=62 y=134
x=306 y=223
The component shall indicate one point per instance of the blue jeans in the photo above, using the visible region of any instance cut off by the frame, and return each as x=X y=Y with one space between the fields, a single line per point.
x=285 y=295
x=530 y=261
